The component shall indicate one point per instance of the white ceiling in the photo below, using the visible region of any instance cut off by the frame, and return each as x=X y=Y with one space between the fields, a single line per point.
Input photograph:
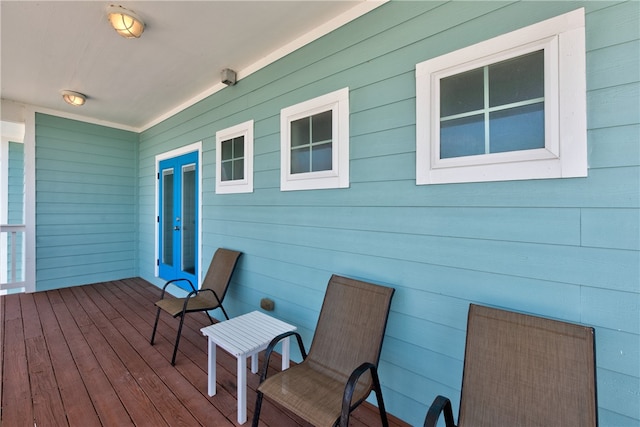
x=50 y=46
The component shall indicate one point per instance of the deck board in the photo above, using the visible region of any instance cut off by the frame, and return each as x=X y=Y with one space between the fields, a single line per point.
x=81 y=356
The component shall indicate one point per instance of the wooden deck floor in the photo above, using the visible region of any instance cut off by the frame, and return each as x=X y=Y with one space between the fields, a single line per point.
x=81 y=357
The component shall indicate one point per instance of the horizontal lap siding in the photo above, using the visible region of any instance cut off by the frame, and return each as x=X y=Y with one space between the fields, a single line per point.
x=567 y=249
x=86 y=204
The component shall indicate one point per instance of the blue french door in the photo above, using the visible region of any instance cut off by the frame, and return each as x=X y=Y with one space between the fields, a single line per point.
x=178 y=219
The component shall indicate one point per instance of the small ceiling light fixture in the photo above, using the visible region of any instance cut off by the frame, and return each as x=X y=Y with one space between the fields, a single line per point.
x=73 y=98
x=125 y=22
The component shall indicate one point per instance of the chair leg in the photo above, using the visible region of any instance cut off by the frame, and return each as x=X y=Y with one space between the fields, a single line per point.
x=378 y=391
x=256 y=412
x=175 y=349
x=224 y=312
x=155 y=326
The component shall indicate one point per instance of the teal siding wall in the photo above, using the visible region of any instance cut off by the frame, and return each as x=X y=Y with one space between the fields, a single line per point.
x=568 y=249
x=86 y=203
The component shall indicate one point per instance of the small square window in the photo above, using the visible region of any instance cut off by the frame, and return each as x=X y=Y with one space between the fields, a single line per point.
x=315 y=143
x=513 y=107
x=234 y=159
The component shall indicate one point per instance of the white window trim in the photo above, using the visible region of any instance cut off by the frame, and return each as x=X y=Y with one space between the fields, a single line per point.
x=338 y=176
x=565 y=151
x=240 y=185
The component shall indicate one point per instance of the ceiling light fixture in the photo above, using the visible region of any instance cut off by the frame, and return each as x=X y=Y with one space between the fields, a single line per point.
x=125 y=22
x=73 y=98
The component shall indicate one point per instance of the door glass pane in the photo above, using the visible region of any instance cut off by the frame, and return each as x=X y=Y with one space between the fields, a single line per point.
x=188 y=220
x=167 y=216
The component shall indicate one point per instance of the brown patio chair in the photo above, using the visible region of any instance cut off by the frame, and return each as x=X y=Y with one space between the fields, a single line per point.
x=341 y=368
x=208 y=297
x=522 y=370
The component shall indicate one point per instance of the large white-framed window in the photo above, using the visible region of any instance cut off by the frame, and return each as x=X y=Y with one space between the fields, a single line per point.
x=315 y=143
x=509 y=108
x=234 y=159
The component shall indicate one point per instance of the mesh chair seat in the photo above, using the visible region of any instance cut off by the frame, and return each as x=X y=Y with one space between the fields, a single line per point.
x=308 y=391
x=200 y=302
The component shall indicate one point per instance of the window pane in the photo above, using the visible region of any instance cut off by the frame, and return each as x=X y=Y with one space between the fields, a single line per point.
x=300 y=160
x=322 y=126
x=238 y=169
x=462 y=93
x=167 y=216
x=238 y=147
x=189 y=219
x=300 y=132
x=227 y=171
x=517 y=79
x=517 y=129
x=462 y=137
x=227 y=149
x=321 y=157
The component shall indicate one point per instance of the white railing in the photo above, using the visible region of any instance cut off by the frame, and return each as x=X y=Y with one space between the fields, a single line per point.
x=12 y=256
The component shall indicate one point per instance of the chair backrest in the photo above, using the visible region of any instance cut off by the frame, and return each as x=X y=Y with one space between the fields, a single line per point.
x=523 y=370
x=220 y=271
x=350 y=329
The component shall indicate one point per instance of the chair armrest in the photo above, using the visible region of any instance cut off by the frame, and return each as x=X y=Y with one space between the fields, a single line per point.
x=271 y=346
x=440 y=404
x=173 y=281
x=351 y=386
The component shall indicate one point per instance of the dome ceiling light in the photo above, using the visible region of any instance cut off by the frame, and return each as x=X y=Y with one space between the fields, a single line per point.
x=125 y=22
x=73 y=98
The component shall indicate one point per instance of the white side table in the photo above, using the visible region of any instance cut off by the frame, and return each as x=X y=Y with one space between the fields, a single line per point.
x=244 y=336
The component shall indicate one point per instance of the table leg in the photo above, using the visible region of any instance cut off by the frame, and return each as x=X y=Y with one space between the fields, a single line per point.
x=254 y=363
x=242 y=389
x=212 y=368
x=285 y=353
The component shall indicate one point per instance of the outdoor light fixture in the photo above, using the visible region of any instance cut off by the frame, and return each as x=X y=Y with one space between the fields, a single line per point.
x=73 y=98
x=228 y=77
x=125 y=22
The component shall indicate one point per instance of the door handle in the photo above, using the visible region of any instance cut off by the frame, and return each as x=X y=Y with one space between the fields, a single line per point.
x=176 y=228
